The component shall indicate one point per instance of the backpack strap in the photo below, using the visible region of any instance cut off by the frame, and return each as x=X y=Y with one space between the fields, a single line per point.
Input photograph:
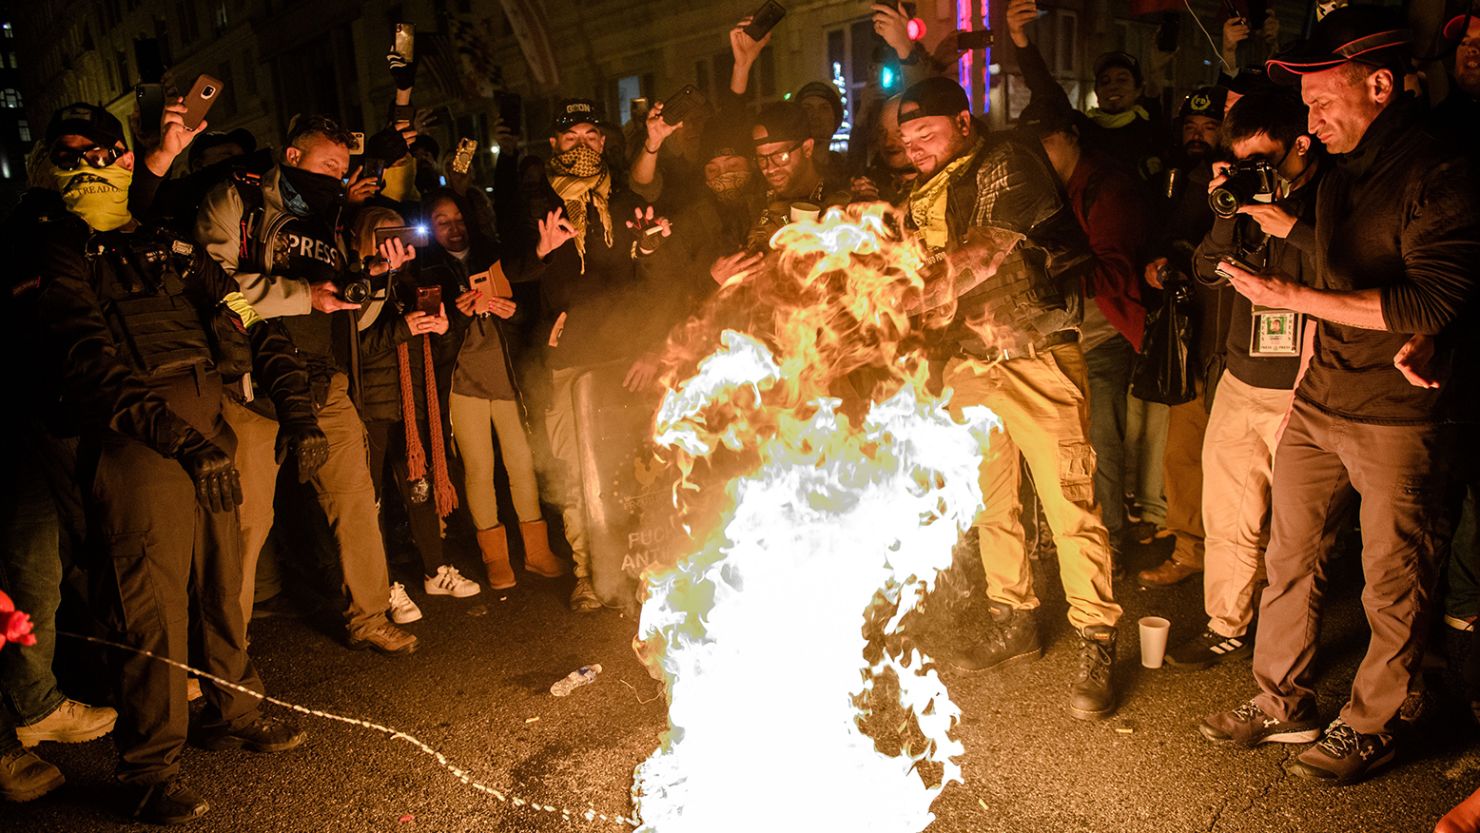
x=254 y=205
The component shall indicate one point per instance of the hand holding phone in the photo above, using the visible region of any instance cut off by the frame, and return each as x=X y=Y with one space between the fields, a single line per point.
x=682 y=103
x=764 y=20
x=462 y=160
x=408 y=235
x=200 y=99
x=429 y=300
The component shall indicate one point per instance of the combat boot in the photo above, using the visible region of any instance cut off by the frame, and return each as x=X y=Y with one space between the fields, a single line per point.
x=1093 y=694
x=1013 y=638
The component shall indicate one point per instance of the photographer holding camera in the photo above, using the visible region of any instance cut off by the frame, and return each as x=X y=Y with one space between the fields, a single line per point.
x=289 y=265
x=1250 y=385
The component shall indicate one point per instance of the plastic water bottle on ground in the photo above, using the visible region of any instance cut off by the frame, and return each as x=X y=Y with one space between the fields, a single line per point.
x=585 y=675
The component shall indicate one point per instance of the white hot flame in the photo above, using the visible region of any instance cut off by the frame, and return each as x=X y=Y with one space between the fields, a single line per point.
x=760 y=633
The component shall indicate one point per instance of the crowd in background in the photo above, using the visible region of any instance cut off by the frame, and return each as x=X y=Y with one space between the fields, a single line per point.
x=223 y=355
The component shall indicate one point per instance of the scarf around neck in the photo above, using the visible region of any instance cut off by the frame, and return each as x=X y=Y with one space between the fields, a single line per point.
x=581 y=179
x=928 y=200
x=1114 y=121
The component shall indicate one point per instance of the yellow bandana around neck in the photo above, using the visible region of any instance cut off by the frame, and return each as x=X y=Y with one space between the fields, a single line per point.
x=1113 y=121
x=928 y=201
x=580 y=178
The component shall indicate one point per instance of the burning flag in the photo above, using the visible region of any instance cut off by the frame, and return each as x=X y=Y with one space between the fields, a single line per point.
x=781 y=629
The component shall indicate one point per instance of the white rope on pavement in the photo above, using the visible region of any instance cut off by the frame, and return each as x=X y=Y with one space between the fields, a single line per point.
x=503 y=796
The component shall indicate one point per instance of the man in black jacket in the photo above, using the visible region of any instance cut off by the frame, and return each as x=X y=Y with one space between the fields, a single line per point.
x=143 y=327
x=1010 y=252
x=592 y=294
x=1390 y=372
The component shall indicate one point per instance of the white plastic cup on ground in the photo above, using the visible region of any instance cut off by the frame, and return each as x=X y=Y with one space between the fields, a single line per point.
x=1154 y=630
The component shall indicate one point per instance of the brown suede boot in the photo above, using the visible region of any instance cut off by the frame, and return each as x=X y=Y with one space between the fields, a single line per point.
x=494 y=544
x=538 y=557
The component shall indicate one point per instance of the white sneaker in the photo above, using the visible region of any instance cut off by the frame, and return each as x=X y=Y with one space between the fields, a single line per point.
x=403 y=610
x=449 y=582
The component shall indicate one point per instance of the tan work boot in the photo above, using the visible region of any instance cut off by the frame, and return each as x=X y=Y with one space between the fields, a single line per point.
x=24 y=777
x=583 y=598
x=385 y=638
x=1166 y=574
x=71 y=722
x=494 y=544
x=538 y=557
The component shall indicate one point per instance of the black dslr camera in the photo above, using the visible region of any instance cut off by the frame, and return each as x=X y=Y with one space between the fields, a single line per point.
x=1247 y=183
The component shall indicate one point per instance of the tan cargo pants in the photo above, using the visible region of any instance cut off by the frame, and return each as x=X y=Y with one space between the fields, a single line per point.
x=1042 y=403
x=345 y=492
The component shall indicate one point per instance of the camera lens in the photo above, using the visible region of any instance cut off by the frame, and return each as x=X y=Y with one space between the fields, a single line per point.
x=356 y=292
x=207 y=91
x=1223 y=202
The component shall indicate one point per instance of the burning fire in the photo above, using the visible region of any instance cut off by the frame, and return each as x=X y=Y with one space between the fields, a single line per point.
x=833 y=531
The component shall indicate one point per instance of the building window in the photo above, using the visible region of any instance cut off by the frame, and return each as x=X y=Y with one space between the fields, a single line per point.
x=121 y=59
x=851 y=56
x=628 y=88
x=1066 y=40
x=24 y=127
x=219 y=19
x=9 y=32
x=11 y=99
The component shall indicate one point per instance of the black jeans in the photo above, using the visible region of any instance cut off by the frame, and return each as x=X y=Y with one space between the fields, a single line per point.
x=388 y=443
x=169 y=583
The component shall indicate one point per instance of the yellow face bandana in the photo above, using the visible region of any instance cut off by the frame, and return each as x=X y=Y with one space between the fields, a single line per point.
x=97 y=195
x=928 y=202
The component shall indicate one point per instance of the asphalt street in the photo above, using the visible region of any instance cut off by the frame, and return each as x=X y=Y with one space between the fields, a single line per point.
x=477 y=692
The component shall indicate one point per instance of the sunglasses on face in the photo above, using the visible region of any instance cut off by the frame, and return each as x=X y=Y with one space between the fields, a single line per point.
x=777 y=159
x=97 y=156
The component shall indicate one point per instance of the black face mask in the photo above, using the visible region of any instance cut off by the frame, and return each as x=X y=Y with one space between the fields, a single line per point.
x=321 y=194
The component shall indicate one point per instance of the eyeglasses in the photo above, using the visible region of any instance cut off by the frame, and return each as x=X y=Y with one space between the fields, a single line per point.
x=97 y=156
x=777 y=159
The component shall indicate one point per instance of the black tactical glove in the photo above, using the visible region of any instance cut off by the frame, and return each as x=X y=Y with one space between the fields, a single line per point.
x=403 y=72
x=218 y=487
x=306 y=443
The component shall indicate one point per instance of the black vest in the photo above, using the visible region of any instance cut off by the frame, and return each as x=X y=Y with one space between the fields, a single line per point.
x=142 y=281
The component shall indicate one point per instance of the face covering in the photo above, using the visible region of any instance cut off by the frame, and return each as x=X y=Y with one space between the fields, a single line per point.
x=319 y=194
x=97 y=195
x=580 y=161
x=730 y=187
x=580 y=179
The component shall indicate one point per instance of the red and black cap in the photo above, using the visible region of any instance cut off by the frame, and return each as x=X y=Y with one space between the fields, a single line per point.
x=88 y=120
x=935 y=96
x=1370 y=35
x=1454 y=30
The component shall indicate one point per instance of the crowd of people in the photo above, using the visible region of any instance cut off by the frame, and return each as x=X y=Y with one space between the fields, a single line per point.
x=1221 y=328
